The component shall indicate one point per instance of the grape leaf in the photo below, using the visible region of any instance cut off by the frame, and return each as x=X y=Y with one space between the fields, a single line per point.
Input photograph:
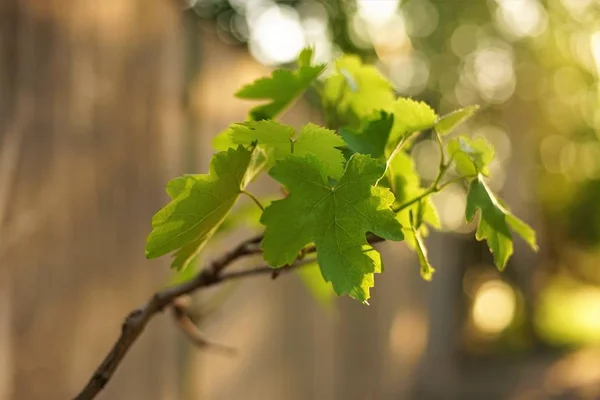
x=278 y=141
x=357 y=88
x=373 y=136
x=448 y=122
x=494 y=221
x=471 y=157
x=335 y=218
x=410 y=116
x=199 y=204
x=282 y=88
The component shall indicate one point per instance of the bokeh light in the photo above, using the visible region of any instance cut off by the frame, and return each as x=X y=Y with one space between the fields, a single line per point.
x=276 y=35
x=494 y=307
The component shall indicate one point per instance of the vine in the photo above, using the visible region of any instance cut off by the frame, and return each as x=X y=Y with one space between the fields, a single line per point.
x=347 y=186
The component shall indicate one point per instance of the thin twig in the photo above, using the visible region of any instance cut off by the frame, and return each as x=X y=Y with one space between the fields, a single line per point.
x=180 y=308
x=213 y=274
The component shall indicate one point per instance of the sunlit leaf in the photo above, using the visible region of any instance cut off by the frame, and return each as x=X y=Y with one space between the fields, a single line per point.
x=336 y=218
x=282 y=88
x=471 y=157
x=494 y=223
x=448 y=122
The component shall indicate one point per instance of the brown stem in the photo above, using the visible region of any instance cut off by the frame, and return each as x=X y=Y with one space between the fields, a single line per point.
x=213 y=274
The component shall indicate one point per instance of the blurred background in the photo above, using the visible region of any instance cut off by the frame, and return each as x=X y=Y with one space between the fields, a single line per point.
x=101 y=102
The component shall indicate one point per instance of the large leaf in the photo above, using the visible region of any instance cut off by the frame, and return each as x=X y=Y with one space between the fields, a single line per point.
x=494 y=223
x=336 y=218
x=199 y=204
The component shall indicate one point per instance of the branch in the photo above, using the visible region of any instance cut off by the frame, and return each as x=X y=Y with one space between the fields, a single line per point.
x=213 y=274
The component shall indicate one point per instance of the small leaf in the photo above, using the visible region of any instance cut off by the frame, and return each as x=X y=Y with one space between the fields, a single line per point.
x=357 y=88
x=199 y=205
x=411 y=116
x=278 y=141
x=471 y=157
x=427 y=269
x=282 y=88
x=373 y=136
x=406 y=185
x=336 y=218
x=494 y=221
x=448 y=122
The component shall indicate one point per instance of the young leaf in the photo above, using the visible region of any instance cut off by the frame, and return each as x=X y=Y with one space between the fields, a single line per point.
x=357 y=88
x=471 y=157
x=335 y=218
x=373 y=136
x=281 y=88
x=278 y=141
x=406 y=185
x=411 y=116
x=494 y=221
x=199 y=205
x=427 y=269
x=448 y=122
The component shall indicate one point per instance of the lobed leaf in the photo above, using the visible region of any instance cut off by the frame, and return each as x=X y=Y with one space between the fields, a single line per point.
x=336 y=218
x=199 y=204
x=282 y=88
x=494 y=223
x=278 y=141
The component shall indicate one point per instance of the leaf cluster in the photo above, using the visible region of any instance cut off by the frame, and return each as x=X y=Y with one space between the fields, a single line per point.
x=343 y=183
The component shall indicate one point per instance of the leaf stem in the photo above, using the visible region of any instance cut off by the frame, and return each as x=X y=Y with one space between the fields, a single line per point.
x=254 y=199
x=433 y=188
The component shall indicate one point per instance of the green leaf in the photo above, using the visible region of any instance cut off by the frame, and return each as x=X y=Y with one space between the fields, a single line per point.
x=494 y=221
x=411 y=116
x=282 y=88
x=471 y=157
x=406 y=185
x=199 y=205
x=373 y=136
x=316 y=285
x=448 y=122
x=305 y=57
x=278 y=141
x=336 y=218
x=427 y=269
x=222 y=141
x=357 y=88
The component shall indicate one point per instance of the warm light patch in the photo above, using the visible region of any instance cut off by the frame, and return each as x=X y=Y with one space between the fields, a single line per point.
x=276 y=35
x=494 y=307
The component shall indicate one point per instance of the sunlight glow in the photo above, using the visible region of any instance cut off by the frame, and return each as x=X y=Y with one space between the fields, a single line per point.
x=494 y=76
x=595 y=43
x=376 y=12
x=521 y=18
x=494 y=307
x=276 y=35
